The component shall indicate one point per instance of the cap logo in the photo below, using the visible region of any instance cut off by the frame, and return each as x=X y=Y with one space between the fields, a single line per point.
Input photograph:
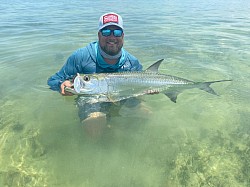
x=110 y=18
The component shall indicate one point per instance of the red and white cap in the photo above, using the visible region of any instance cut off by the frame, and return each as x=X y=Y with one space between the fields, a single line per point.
x=110 y=18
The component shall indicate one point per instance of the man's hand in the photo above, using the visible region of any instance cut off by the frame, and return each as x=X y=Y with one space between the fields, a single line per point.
x=66 y=84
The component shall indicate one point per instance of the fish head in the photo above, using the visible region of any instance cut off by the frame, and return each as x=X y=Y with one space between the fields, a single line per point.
x=86 y=84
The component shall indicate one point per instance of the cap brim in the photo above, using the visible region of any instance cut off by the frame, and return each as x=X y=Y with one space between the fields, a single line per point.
x=109 y=24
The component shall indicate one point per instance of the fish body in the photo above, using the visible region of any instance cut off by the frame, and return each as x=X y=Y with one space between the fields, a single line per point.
x=112 y=87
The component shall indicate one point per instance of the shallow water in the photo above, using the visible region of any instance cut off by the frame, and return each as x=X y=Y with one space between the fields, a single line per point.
x=202 y=140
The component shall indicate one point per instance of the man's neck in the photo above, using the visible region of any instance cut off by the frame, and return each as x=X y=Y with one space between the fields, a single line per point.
x=111 y=61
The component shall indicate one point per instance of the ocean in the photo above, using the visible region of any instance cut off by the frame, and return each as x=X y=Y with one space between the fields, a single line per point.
x=202 y=140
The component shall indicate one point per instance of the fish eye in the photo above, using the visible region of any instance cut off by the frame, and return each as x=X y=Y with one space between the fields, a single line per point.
x=86 y=78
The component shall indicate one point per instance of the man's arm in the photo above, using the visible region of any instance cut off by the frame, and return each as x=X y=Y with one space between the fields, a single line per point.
x=61 y=79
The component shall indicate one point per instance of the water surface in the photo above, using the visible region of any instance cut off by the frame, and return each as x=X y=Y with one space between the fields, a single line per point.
x=202 y=140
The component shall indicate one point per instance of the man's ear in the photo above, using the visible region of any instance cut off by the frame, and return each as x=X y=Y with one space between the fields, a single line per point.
x=99 y=34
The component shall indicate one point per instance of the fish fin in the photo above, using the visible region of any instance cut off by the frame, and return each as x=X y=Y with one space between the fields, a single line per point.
x=205 y=86
x=111 y=99
x=155 y=66
x=172 y=95
x=114 y=99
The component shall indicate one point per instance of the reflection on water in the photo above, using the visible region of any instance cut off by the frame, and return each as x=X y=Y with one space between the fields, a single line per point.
x=202 y=140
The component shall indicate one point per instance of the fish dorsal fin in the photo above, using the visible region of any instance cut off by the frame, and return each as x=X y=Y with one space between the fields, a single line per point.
x=155 y=66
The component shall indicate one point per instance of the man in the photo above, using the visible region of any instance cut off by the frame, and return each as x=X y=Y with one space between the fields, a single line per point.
x=106 y=55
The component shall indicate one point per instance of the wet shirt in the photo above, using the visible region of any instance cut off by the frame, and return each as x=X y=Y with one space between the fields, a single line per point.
x=87 y=60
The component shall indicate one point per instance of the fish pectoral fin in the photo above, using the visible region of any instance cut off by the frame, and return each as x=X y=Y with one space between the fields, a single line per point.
x=113 y=99
x=172 y=95
x=109 y=97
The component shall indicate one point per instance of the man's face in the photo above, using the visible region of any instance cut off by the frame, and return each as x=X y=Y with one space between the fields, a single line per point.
x=111 y=44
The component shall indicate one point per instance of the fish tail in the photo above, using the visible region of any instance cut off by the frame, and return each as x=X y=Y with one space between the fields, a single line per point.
x=206 y=86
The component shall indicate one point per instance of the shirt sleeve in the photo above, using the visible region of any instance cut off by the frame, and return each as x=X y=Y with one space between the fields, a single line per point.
x=68 y=71
x=138 y=66
x=135 y=65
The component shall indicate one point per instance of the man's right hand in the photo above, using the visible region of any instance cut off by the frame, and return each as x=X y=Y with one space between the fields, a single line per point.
x=66 y=84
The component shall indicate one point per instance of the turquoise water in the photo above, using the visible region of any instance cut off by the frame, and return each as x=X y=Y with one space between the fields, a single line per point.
x=202 y=140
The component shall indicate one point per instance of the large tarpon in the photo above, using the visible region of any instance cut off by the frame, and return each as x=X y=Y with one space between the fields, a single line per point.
x=112 y=87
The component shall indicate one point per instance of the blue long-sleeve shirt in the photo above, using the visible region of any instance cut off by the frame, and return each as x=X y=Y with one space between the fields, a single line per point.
x=85 y=61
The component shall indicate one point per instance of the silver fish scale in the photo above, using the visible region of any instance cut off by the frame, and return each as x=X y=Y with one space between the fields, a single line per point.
x=145 y=78
x=106 y=87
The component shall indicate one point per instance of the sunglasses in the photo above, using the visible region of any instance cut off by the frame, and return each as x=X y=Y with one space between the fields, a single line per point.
x=116 y=32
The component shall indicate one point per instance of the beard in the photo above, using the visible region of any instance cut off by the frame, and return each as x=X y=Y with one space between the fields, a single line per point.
x=112 y=49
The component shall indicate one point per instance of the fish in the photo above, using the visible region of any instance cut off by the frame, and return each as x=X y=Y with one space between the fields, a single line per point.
x=113 y=87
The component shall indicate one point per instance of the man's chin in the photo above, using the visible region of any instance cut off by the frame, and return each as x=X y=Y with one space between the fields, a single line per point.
x=112 y=52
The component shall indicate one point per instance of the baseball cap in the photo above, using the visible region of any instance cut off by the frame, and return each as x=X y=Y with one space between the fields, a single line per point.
x=110 y=18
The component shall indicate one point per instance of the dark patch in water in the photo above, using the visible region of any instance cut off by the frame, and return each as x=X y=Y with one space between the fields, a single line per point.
x=17 y=127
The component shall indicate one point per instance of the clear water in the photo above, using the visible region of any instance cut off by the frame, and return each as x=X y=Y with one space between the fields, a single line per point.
x=202 y=140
